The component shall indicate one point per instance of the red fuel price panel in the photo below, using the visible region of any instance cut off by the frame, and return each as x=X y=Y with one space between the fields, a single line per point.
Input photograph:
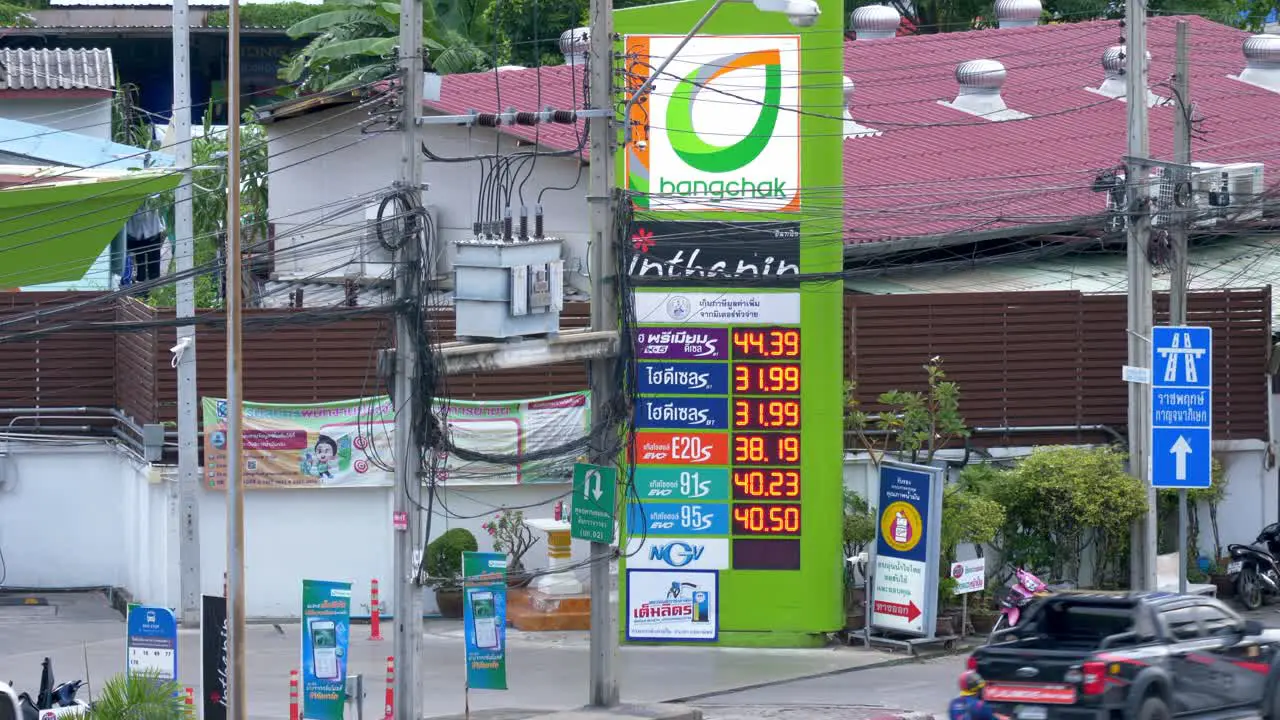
x=766 y=411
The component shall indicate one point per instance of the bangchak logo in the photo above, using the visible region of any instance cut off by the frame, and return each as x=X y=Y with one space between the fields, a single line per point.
x=725 y=136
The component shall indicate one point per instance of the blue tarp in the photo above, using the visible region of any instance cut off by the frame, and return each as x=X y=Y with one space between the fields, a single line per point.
x=48 y=146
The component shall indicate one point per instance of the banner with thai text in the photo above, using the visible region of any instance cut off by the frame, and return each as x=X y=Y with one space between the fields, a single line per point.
x=350 y=443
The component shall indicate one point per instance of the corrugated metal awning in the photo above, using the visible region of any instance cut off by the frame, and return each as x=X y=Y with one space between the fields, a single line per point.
x=44 y=69
x=1231 y=264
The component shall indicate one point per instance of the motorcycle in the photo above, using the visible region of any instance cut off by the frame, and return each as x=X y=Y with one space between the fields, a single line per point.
x=53 y=702
x=1023 y=589
x=1253 y=568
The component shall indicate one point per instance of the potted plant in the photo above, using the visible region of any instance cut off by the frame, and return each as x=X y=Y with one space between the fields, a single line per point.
x=444 y=568
x=859 y=531
x=511 y=536
x=138 y=695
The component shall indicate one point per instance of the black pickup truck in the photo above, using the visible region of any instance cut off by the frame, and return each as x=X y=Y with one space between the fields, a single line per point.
x=1131 y=656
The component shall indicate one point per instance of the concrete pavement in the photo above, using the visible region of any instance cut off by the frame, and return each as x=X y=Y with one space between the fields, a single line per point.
x=547 y=671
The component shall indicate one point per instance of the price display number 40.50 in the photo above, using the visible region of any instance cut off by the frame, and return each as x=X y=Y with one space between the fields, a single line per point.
x=766 y=519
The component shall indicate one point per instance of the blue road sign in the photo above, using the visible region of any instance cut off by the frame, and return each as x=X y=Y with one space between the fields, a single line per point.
x=1181 y=407
x=151 y=643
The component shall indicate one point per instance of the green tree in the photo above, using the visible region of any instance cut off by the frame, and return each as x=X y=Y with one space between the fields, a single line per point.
x=1061 y=502
x=915 y=425
x=527 y=32
x=357 y=42
x=209 y=206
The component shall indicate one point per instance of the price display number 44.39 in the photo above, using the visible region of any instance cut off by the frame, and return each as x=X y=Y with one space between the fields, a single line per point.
x=766 y=343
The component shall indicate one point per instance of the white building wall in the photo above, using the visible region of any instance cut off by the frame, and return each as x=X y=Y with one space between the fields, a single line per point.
x=321 y=161
x=85 y=514
x=81 y=115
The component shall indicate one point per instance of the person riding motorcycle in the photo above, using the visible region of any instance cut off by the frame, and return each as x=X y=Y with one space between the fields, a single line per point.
x=969 y=705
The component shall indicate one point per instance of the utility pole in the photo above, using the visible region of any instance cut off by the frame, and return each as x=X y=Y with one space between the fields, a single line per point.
x=604 y=316
x=237 y=688
x=1178 y=280
x=184 y=259
x=1143 y=541
x=405 y=565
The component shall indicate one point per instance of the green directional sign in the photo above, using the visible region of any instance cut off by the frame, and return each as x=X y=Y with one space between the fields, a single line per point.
x=595 y=494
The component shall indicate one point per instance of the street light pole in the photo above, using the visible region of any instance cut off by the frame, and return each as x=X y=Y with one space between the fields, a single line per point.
x=237 y=688
x=1143 y=545
x=604 y=317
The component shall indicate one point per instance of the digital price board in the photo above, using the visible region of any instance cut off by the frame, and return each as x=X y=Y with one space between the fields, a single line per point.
x=766 y=378
x=766 y=343
x=767 y=484
x=766 y=519
x=758 y=448
x=766 y=413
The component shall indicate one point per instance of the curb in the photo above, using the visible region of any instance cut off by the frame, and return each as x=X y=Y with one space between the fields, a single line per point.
x=894 y=662
x=905 y=716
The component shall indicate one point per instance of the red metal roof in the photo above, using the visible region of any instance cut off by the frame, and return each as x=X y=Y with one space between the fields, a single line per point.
x=935 y=170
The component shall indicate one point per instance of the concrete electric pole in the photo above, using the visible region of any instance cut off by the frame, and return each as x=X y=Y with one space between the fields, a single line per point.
x=237 y=688
x=185 y=360
x=604 y=317
x=408 y=591
x=1143 y=544
x=1178 y=277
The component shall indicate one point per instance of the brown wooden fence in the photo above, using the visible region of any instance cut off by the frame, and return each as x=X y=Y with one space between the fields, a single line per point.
x=1035 y=360
x=292 y=363
x=1023 y=360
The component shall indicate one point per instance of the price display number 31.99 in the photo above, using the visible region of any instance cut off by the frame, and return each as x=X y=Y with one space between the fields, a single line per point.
x=766 y=378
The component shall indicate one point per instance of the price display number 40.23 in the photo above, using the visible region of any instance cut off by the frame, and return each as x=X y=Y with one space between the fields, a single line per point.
x=766 y=484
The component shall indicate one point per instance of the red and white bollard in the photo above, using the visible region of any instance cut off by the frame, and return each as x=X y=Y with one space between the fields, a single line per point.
x=375 y=613
x=389 y=707
x=189 y=703
x=294 y=711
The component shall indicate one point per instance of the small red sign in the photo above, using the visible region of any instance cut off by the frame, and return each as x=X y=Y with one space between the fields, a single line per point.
x=400 y=520
x=1027 y=693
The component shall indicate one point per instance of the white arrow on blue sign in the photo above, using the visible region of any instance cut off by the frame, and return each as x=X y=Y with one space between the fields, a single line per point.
x=1181 y=407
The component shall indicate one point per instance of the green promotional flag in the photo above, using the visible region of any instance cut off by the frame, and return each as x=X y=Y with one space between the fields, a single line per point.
x=484 y=616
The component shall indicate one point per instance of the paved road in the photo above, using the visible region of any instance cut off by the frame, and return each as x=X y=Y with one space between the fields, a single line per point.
x=866 y=692
x=546 y=670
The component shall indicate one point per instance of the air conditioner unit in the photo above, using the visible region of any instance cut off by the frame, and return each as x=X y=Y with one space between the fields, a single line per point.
x=1233 y=191
x=1159 y=189
x=376 y=260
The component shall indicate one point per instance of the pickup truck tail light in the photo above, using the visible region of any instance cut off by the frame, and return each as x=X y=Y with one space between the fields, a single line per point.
x=971 y=663
x=1095 y=678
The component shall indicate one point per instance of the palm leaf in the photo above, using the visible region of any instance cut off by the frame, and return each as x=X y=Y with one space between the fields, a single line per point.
x=362 y=75
x=337 y=19
x=140 y=696
x=376 y=47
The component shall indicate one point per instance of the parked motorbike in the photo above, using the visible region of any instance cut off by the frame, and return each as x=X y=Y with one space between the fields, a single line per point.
x=1022 y=590
x=1253 y=568
x=53 y=702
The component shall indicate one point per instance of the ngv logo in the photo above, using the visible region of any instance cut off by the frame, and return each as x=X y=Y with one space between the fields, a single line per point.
x=676 y=554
